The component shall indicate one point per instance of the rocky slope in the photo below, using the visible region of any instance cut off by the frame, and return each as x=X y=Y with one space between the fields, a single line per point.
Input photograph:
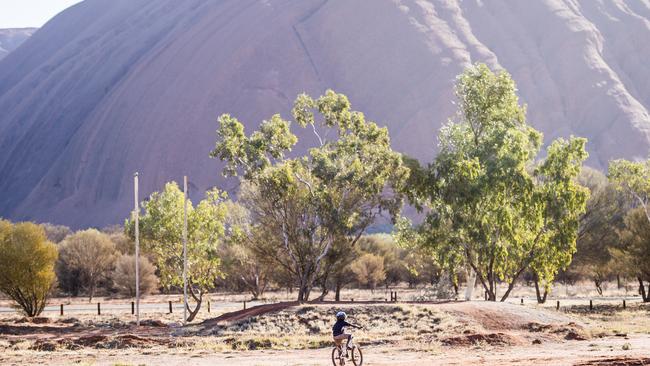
x=111 y=87
x=11 y=38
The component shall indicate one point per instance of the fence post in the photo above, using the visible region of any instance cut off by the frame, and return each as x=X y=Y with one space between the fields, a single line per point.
x=591 y=305
x=208 y=306
x=99 y=309
x=132 y=308
x=623 y=303
x=557 y=306
x=61 y=309
x=522 y=301
x=244 y=304
x=170 y=307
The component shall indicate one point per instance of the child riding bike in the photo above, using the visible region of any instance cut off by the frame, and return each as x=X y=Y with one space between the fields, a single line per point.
x=338 y=330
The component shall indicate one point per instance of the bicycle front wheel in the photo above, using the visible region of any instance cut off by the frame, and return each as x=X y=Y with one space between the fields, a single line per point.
x=337 y=357
x=357 y=356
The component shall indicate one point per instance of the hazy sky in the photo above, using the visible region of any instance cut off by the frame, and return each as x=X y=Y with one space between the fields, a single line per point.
x=30 y=13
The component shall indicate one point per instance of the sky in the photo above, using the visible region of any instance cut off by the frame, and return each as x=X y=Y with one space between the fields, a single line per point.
x=30 y=13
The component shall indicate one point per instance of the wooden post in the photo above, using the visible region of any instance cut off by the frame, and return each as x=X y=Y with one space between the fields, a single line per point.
x=557 y=306
x=591 y=305
x=170 y=307
x=208 y=306
x=61 y=309
x=132 y=308
x=244 y=304
x=522 y=301
x=99 y=308
x=624 y=304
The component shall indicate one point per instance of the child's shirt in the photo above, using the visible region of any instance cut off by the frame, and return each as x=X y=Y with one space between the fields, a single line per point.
x=337 y=329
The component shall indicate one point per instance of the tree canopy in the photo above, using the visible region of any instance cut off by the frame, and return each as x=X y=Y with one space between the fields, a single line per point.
x=27 y=261
x=334 y=192
x=489 y=204
x=161 y=228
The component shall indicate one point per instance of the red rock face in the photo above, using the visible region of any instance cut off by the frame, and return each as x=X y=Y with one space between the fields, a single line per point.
x=108 y=88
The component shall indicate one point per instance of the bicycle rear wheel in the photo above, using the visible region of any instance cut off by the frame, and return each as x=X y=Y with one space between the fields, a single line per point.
x=337 y=357
x=357 y=356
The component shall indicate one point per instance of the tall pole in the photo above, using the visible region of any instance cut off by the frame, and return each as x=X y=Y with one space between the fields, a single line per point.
x=137 y=250
x=185 y=249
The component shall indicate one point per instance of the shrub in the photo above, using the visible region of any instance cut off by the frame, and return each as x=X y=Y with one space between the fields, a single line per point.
x=85 y=259
x=124 y=276
x=56 y=233
x=27 y=260
x=369 y=269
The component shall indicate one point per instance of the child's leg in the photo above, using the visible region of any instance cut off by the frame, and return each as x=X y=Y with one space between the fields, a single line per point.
x=347 y=345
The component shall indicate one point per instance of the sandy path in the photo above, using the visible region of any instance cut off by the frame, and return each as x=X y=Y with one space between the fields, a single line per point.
x=564 y=353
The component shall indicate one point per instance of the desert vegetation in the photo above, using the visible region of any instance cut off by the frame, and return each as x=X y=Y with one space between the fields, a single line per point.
x=493 y=212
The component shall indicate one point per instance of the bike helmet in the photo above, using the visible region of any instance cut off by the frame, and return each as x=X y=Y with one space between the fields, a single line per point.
x=341 y=315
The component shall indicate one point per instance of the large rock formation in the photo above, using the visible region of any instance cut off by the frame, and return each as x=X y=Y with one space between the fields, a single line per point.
x=11 y=38
x=110 y=87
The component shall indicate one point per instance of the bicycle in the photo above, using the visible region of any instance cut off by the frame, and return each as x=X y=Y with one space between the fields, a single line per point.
x=354 y=354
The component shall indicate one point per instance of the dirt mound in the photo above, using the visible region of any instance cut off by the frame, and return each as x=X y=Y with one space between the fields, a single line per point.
x=493 y=339
x=616 y=361
x=100 y=341
x=248 y=313
x=570 y=331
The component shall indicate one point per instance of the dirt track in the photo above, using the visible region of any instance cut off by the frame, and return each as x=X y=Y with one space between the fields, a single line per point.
x=438 y=334
x=606 y=351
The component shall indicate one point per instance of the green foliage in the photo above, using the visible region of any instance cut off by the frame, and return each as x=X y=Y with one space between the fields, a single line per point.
x=245 y=268
x=27 y=261
x=332 y=194
x=634 y=255
x=86 y=258
x=599 y=228
x=487 y=205
x=161 y=230
x=632 y=178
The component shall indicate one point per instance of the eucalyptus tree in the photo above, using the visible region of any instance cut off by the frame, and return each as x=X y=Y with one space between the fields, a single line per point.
x=334 y=192
x=161 y=232
x=600 y=228
x=634 y=254
x=488 y=204
x=633 y=179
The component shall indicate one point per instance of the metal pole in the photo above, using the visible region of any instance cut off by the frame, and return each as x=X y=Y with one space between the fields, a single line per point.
x=185 y=249
x=137 y=250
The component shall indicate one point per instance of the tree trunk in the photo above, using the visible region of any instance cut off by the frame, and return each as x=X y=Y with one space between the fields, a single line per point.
x=471 y=282
x=599 y=287
x=540 y=299
x=323 y=293
x=198 y=300
x=91 y=293
x=337 y=296
x=645 y=296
